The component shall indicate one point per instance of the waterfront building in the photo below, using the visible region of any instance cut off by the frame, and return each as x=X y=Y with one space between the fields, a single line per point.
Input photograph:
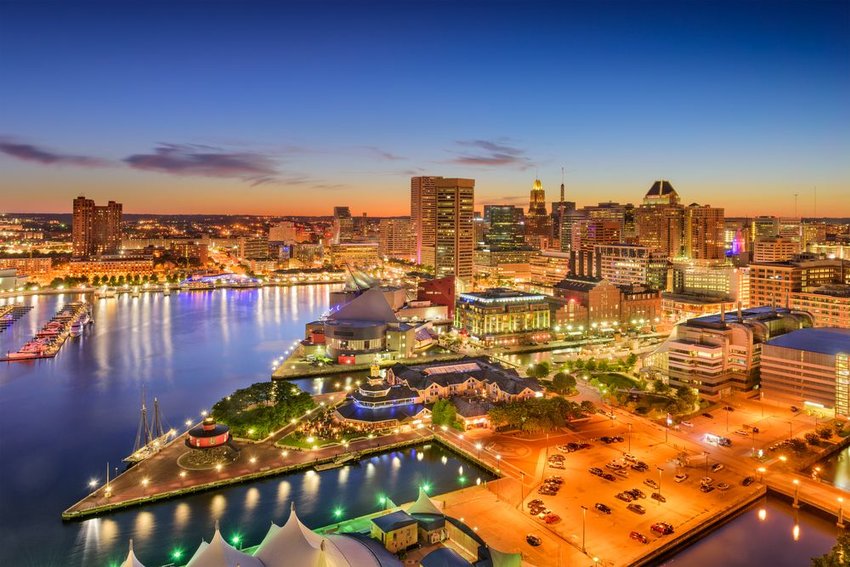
x=587 y=301
x=35 y=268
x=775 y=249
x=110 y=266
x=403 y=397
x=438 y=291
x=95 y=230
x=719 y=353
x=809 y=368
x=396 y=238
x=772 y=283
x=503 y=316
x=10 y=280
x=639 y=304
x=253 y=248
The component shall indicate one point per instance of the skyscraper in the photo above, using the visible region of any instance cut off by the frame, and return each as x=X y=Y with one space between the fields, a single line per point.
x=703 y=233
x=343 y=225
x=538 y=224
x=395 y=238
x=455 y=234
x=95 y=230
x=506 y=227
x=660 y=220
x=423 y=216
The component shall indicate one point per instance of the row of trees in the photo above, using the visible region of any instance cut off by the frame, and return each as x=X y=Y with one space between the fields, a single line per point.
x=263 y=407
x=538 y=414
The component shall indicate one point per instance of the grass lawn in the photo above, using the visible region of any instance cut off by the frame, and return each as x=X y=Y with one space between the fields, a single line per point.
x=614 y=380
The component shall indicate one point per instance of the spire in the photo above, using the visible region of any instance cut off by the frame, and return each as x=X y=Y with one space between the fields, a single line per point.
x=562 y=184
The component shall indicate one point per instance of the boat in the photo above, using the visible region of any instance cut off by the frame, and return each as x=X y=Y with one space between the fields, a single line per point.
x=150 y=437
x=336 y=463
x=104 y=293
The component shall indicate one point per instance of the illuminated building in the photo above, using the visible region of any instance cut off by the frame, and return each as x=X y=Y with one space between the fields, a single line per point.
x=659 y=220
x=538 y=223
x=588 y=301
x=712 y=279
x=829 y=305
x=396 y=239
x=771 y=283
x=96 y=230
x=343 y=225
x=808 y=368
x=502 y=315
x=703 y=232
x=720 y=353
x=32 y=267
x=423 y=215
x=110 y=266
x=624 y=264
x=362 y=254
x=455 y=234
x=774 y=249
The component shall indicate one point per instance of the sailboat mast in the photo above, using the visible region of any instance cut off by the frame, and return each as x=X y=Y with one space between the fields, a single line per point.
x=157 y=420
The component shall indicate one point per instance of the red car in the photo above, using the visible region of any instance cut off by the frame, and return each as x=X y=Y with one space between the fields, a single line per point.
x=637 y=536
x=551 y=518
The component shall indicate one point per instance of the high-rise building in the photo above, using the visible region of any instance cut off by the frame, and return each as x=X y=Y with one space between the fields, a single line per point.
x=423 y=216
x=624 y=264
x=455 y=235
x=659 y=222
x=587 y=233
x=703 y=232
x=343 y=225
x=538 y=224
x=284 y=232
x=506 y=227
x=96 y=230
x=772 y=283
x=396 y=238
x=774 y=249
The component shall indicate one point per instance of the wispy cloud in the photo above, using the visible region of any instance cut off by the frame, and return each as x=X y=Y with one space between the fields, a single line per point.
x=207 y=161
x=384 y=154
x=29 y=152
x=490 y=153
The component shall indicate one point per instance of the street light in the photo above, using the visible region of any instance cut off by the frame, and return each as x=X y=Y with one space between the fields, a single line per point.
x=761 y=471
x=796 y=493
x=583 y=527
x=660 y=470
x=840 y=523
x=630 y=437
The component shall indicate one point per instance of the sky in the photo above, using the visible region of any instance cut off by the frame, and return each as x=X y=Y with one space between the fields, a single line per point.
x=264 y=107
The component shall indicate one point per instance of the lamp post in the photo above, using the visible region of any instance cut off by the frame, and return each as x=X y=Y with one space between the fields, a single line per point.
x=706 y=462
x=583 y=527
x=761 y=471
x=796 y=493
x=660 y=470
x=790 y=429
x=840 y=522
x=630 y=437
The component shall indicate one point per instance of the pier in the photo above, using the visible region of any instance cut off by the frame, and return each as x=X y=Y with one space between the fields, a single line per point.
x=70 y=319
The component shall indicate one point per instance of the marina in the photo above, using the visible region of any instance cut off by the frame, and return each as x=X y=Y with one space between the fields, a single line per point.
x=69 y=321
x=10 y=314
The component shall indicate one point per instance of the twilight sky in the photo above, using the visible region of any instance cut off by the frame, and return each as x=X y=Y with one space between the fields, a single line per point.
x=270 y=107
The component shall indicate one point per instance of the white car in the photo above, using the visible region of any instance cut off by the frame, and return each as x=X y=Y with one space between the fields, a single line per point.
x=706 y=480
x=630 y=458
x=717 y=467
x=687 y=424
x=680 y=477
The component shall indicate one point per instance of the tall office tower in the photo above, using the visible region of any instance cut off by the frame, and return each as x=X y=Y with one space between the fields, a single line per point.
x=506 y=228
x=763 y=227
x=659 y=222
x=538 y=225
x=703 y=232
x=588 y=233
x=569 y=217
x=559 y=208
x=455 y=234
x=395 y=238
x=343 y=225
x=96 y=230
x=423 y=215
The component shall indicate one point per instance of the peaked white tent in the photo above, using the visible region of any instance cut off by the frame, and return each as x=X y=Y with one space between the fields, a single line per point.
x=424 y=505
x=131 y=560
x=219 y=553
x=371 y=305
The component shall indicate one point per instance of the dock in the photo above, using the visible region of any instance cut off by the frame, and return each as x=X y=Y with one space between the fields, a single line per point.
x=47 y=341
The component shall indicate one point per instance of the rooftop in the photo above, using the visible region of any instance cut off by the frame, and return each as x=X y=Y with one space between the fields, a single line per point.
x=393 y=521
x=824 y=340
x=500 y=295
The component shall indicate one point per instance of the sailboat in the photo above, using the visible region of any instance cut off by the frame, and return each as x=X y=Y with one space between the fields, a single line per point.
x=151 y=437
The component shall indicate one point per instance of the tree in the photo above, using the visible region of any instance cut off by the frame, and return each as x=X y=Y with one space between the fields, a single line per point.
x=588 y=407
x=563 y=383
x=443 y=413
x=838 y=556
x=603 y=366
x=540 y=370
x=812 y=438
x=825 y=432
x=95 y=281
x=631 y=360
x=590 y=365
x=797 y=445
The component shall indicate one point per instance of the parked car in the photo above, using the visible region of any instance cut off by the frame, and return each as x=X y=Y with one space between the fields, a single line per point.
x=636 y=508
x=637 y=493
x=630 y=458
x=624 y=497
x=795 y=409
x=658 y=496
x=708 y=415
x=557 y=479
x=596 y=471
x=584 y=445
x=551 y=518
x=681 y=477
x=556 y=465
x=687 y=424
x=621 y=473
x=717 y=467
x=728 y=408
x=602 y=508
x=535 y=502
x=662 y=528
x=706 y=488
x=652 y=483
x=637 y=536
x=742 y=433
x=533 y=540
x=722 y=486
x=755 y=429
x=748 y=481
x=706 y=480
x=640 y=467
x=609 y=476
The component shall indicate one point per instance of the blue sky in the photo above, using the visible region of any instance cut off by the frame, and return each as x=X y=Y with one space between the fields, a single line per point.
x=292 y=108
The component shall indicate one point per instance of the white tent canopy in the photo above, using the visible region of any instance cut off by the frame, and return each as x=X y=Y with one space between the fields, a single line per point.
x=424 y=505
x=131 y=560
x=219 y=553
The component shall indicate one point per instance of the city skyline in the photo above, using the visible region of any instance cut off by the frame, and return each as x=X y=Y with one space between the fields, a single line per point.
x=740 y=107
